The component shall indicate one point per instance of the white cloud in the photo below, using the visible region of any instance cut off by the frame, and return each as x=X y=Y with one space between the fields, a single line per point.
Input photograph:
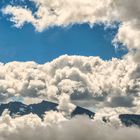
x=56 y=127
x=82 y=80
x=21 y=15
x=59 y=13
x=65 y=105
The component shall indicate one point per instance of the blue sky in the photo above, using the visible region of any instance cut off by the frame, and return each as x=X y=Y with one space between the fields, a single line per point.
x=25 y=44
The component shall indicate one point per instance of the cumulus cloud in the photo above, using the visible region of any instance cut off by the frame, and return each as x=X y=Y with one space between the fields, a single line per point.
x=56 y=127
x=85 y=81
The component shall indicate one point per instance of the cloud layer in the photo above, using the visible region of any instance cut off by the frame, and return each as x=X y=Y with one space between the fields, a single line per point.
x=56 y=127
x=86 y=81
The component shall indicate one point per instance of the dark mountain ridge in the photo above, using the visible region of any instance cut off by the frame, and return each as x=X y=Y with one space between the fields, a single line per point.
x=18 y=108
x=130 y=119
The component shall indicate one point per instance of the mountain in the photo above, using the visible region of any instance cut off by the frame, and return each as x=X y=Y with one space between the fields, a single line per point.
x=130 y=119
x=18 y=108
x=126 y=119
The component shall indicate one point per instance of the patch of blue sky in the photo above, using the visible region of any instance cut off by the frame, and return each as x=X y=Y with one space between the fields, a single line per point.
x=25 y=44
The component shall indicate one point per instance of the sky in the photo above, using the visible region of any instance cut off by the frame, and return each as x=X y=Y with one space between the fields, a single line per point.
x=26 y=44
x=85 y=43
x=101 y=43
x=101 y=70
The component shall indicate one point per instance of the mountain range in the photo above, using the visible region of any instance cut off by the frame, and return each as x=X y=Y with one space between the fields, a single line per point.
x=18 y=108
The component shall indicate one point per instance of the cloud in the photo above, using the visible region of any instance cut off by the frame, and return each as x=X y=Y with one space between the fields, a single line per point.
x=21 y=15
x=85 y=81
x=56 y=127
x=58 y=13
x=65 y=105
